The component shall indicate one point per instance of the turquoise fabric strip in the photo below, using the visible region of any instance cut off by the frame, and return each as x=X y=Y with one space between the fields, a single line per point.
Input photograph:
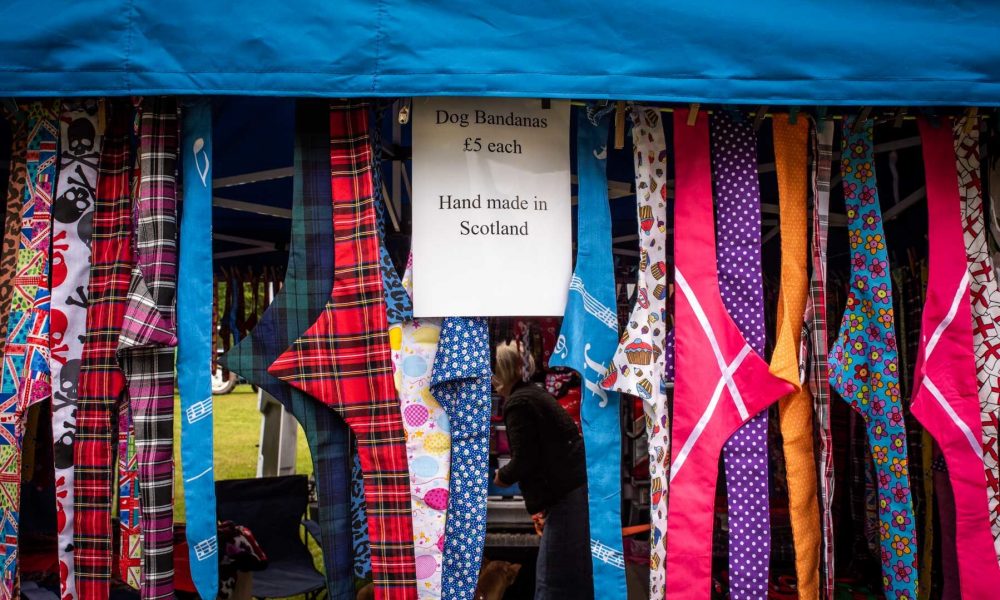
x=194 y=348
x=587 y=343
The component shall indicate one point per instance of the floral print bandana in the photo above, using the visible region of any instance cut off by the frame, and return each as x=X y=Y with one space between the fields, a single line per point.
x=863 y=361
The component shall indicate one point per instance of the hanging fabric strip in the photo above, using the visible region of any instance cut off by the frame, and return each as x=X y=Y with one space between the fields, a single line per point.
x=945 y=399
x=985 y=308
x=72 y=221
x=587 y=343
x=816 y=333
x=359 y=517
x=721 y=381
x=194 y=347
x=301 y=299
x=25 y=370
x=461 y=383
x=863 y=365
x=129 y=528
x=101 y=381
x=149 y=335
x=18 y=174
x=791 y=152
x=343 y=358
x=428 y=440
x=398 y=305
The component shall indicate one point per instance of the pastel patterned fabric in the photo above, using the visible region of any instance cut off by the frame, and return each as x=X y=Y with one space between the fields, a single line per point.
x=985 y=308
x=195 y=349
x=586 y=343
x=343 y=359
x=791 y=150
x=24 y=374
x=301 y=299
x=461 y=384
x=721 y=381
x=149 y=335
x=637 y=367
x=101 y=380
x=946 y=400
x=12 y=216
x=863 y=366
x=72 y=223
x=815 y=333
x=428 y=441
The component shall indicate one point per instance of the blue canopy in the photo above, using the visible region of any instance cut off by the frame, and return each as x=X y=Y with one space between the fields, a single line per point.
x=884 y=52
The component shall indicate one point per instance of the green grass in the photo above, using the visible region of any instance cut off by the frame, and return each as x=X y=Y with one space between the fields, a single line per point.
x=237 y=436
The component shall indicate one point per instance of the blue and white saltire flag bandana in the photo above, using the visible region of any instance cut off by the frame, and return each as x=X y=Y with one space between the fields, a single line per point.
x=587 y=343
x=194 y=348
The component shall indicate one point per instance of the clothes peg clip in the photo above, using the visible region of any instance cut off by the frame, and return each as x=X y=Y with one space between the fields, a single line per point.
x=970 y=119
x=693 y=114
x=898 y=121
x=759 y=117
x=619 y=125
x=862 y=117
x=793 y=115
x=102 y=115
x=404 y=113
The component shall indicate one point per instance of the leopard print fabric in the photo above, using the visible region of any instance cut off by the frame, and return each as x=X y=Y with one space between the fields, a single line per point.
x=12 y=219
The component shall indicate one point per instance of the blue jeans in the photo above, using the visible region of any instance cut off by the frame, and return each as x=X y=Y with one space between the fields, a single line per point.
x=564 y=569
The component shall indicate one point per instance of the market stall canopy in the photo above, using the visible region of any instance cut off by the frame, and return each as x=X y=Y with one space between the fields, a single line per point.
x=879 y=52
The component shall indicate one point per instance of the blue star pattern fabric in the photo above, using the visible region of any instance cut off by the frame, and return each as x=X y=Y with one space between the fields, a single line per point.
x=587 y=343
x=461 y=384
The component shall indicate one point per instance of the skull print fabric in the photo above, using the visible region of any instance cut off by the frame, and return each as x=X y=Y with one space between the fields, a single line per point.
x=72 y=217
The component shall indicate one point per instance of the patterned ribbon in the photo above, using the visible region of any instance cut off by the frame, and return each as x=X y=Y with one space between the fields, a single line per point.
x=946 y=401
x=863 y=365
x=721 y=381
x=25 y=370
x=428 y=440
x=72 y=222
x=302 y=297
x=101 y=380
x=194 y=348
x=461 y=383
x=343 y=359
x=12 y=217
x=791 y=144
x=129 y=526
x=637 y=365
x=815 y=331
x=149 y=335
x=985 y=309
x=587 y=343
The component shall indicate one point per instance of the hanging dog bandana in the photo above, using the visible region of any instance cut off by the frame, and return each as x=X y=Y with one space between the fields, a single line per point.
x=149 y=335
x=815 y=331
x=359 y=518
x=129 y=531
x=721 y=382
x=461 y=383
x=637 y=365
x=428 y=440
x=587 y=344
x=12 y=217
x=863 y=368
x=398 y=306
x=945 y=398
x=25 y=370
x=791 y=150
x=985 y=309
x=194 y=348
x=101 y=381
x=343 y=358
x=301 y=299
x=72 y=220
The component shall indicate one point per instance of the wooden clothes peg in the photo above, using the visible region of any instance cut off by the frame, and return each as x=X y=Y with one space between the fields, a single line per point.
x=619 y=125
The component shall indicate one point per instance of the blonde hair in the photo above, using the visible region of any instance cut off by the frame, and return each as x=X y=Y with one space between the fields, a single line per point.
x=512 y=366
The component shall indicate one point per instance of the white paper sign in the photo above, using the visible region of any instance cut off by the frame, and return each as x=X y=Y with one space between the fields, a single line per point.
x=491 y=207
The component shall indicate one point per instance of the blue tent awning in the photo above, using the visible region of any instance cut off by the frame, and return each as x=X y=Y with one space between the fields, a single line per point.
x=884 y=52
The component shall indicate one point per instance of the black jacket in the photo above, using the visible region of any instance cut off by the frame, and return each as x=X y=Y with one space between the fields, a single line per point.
x=548 y=459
